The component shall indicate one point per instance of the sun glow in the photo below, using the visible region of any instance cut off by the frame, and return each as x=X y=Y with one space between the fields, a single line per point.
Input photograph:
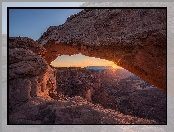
x=80 y=60
x=114 y=66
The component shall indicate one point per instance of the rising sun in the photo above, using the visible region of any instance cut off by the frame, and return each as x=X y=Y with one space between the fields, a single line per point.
x=114 y=66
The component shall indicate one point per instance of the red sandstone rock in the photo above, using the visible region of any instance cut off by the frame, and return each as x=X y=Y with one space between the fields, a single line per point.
x=118 y=90
x=134 y=39
x=29 y=76
x=78 y=81
x=25 y=63
x=26 y=43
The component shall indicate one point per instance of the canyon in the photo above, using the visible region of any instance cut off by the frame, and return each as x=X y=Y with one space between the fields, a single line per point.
x=133 y=39
x=118 y=90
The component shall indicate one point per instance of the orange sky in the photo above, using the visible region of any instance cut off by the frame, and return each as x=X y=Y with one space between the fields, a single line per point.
x=80 y=60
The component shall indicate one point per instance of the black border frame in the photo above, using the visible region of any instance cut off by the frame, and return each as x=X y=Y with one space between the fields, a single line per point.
x=8 y=8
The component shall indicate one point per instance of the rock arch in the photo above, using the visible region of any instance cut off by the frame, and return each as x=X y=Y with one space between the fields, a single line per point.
x=134 y=39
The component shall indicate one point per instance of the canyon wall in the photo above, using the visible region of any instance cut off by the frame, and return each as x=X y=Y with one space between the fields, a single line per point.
x=79 y=82
x=115 y=89
x=134 y=39
x=29 y=74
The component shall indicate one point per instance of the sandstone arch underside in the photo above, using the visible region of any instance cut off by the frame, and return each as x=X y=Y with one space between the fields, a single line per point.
x=134 y=39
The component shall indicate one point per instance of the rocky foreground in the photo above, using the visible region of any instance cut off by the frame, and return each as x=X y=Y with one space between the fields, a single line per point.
x=42 y=94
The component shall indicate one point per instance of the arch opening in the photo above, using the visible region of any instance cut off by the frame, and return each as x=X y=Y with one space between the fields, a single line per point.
x=79 y=60
x=136 y=59
x=118 y=89
x=133 y=39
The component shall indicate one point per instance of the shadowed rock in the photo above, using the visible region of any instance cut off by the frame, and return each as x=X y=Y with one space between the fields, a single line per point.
x=29 y=76
x=75 y=110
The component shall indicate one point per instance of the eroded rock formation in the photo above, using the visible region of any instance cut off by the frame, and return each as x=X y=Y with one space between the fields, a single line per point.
x=29 y=74
x=134 y=39
x=78 y=82
x=118 y=90
x=26 y=43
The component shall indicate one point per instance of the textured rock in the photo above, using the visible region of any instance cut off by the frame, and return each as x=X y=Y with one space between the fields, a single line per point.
x=29 y=76
x=78 y=82
x=118 y=89
x=75 y=110
x=134 y=39
x=19 y=92
x=26 y=43
x=25 y=63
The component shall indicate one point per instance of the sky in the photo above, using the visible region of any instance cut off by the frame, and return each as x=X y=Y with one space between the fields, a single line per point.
x=80 y=60
x=32 y=4
x=33 y=22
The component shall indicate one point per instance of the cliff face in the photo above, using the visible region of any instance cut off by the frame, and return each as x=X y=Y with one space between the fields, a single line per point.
x=29 y=74
x=78 y=82
x=134 y=39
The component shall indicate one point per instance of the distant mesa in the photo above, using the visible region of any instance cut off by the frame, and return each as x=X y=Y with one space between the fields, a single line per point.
x=98 y=67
